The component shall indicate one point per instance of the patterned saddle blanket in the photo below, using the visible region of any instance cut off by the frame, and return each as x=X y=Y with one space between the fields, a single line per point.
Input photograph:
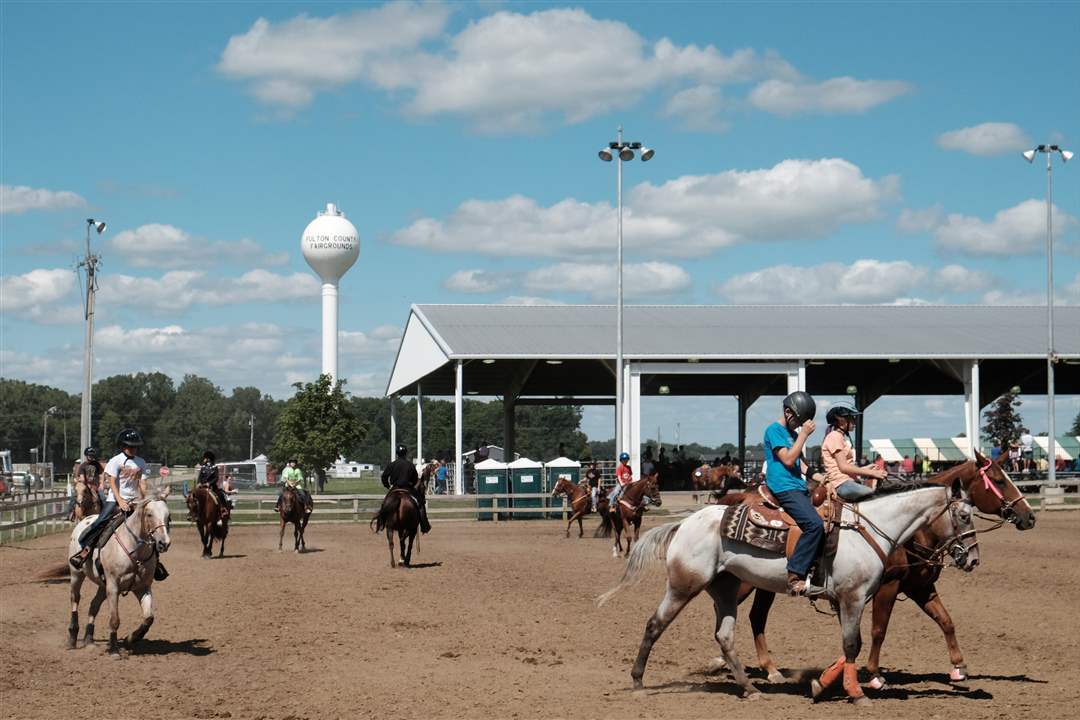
x=746 y=524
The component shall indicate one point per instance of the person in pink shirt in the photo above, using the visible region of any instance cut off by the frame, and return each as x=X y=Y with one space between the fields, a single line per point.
x=842 y=475
x=907 y=466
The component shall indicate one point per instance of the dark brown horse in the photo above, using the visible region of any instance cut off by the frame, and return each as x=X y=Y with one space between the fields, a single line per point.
x=210 y=518
x=293 y=510
x=400 y=513
x=914 y=568
x=580 y=502
x=628 y=510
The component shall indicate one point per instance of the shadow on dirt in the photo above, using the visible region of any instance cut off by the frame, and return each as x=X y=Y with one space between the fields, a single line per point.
x=196 y=647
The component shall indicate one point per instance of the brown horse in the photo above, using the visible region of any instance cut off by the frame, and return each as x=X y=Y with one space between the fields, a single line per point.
x=718 y=480
x=400 y=512
x=914 y=568
x=580 y=502
x=293 y=510
x=628 y=510
x=87 y=501
x=210 y=518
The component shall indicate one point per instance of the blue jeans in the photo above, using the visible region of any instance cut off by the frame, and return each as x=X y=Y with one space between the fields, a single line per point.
x=797 y=504
x=853 y=491
x=107 y=510
x=615 y=494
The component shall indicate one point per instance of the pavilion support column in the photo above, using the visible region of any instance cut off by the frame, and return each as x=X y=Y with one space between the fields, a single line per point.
x=393 y=430
x=976 y=410
x=459 y=469
x=744 y=406
x=419 y=423
x=633 y=424
x=509 y=430
x=860 y=426
x=968 y=401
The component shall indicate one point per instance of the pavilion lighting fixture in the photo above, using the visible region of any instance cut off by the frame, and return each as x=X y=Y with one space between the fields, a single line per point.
x=664 y=390
x=472 y=392
x=553 y=362
x=852 y=390
x=692 y=360
x=624 y=151
x=1015 y=389
x=817 y=362
x=894 y=361
x=1049 y=150
x=489 y=361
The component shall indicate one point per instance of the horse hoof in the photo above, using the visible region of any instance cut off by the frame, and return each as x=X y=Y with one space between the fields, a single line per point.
x=752 y=695
x=815 y=689
x=958 y=674
x=777 y=677
x=638 y=685
x=876 y=683
x=70 y=643
x=861 y=701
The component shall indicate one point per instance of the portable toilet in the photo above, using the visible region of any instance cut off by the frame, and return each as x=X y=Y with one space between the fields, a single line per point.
x=491 y=480
x=526 y=478
x=560 y=467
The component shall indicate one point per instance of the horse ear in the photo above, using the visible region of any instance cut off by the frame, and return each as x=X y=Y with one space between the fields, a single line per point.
x=168 y=489
x=980 y=457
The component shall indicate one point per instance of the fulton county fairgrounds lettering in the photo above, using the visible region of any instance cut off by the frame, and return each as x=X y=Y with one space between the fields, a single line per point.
x=330 y=242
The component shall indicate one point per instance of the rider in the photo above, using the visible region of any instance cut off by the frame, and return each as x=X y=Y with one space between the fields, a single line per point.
x=838 y=457
x=624 y=476
x=648 y=467
x=208 y=476
x=784 y=442
x=87 y=479
x=125 y=476
x=293 y=477
x=402 y=474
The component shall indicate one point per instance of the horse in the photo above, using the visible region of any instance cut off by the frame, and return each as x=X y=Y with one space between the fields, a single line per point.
x=209 y=519
x=87 y=502
x=126 y=564
x=580 y=502
x=628 y=510
x=602 y=507
x=718 y=480
x=400 y=512
x=699 y=557
x=293 y=510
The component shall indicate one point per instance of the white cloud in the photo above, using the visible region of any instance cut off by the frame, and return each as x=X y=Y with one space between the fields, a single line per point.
x=648 y=279
x=991 y=138
x=356 y=343
x=477 y=281
x=699 y=108
x=960 y=279
x=838 y=95
x=914 y=222
x=35 y=289
x=178 y=290
x=508 y=71
x=158 y=245
x=288 y=62
x=863 y=281
x=529 y=300
x=1019 y=230
x=15 y=199
x=690 y=216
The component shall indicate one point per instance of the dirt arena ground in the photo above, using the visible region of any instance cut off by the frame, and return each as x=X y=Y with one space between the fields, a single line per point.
x=500 y=622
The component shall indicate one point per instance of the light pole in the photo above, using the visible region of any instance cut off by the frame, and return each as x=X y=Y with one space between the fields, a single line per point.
x=1029 y=155
x=90 y=264
x=45 y=432
x=622 y=151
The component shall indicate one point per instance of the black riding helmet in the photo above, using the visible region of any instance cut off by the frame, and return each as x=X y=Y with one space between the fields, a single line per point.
x=801 y=405
x=129 y=437
x=402 y=451
x=91 y=453
x=209 y=455
x=840 y=411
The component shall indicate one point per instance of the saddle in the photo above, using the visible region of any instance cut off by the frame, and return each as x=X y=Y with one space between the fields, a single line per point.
x=760 y=521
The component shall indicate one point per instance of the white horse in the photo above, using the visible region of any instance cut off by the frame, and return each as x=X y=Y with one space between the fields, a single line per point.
x=699 y=558
x=129 y=560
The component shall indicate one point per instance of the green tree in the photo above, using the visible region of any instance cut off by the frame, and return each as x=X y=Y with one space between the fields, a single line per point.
x=316 y=426
x=1075 y=429
x=22 y=409
x=193 y=424
x=1003 y=421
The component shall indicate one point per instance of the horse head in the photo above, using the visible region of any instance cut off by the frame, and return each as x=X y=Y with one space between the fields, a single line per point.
x=992 y=491
x=701 y=476
x=963 y=545
x=562 y=487
x=652 y=489
x=155 y=519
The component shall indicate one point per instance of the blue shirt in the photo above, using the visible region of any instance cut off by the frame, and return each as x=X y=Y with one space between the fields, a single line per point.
x=778 y=476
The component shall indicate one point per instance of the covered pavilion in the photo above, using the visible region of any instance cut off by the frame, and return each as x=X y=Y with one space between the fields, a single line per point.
x=565 y=355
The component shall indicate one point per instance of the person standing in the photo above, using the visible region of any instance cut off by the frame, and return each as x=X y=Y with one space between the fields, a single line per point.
x=592 y=482
x=784 y=442
x=440 y=478
x=125 y=475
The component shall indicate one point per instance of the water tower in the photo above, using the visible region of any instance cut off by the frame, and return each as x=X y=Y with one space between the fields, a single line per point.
x=330 y=245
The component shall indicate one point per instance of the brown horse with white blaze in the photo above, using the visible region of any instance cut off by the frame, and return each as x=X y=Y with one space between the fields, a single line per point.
x=629 y=507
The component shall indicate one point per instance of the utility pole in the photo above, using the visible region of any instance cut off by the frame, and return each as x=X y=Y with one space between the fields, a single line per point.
x=251 y=436
x=90 y=264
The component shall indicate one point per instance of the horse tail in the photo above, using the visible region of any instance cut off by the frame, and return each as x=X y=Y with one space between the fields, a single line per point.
x=604 y=530
x=653 y=545
x=382 y=517
x=54 y=572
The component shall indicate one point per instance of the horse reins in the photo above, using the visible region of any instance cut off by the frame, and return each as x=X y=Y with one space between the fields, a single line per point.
x=883 y=556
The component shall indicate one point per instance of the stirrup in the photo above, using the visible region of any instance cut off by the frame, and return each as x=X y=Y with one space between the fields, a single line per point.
x=79 y=558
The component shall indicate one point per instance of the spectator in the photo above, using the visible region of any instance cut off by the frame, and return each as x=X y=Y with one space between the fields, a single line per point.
x=1027 y=453
x=916 y=465
x=879 y=462
x=907 y=466
x=1014 y=458
x=440 y=478
x=926 y=466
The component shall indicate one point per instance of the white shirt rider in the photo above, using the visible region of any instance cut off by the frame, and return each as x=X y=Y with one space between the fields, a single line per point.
x=127 y=474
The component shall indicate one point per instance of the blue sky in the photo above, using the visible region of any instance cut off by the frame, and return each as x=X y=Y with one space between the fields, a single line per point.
x=805 y=153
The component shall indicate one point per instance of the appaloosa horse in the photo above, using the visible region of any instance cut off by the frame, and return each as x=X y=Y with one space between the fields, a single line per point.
x=914 y=569
x=293 y=510
x=127 y=563
x=210 y=518
x=627 y=511
x=700 y=557
x=580 y=502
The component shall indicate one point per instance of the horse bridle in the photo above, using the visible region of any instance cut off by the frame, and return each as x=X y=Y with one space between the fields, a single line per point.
x=1008 y=513
x=140 y=541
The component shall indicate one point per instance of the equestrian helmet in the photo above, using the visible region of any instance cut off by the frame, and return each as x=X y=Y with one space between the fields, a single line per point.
x=624 y=457
x=801 y=405
x=129 y=437
x=209 y=455
x=402 y=451
x=91 y=453
x=840 y=411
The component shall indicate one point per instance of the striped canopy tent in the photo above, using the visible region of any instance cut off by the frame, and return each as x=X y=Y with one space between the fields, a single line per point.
x=1068 y=447
x=937 y=449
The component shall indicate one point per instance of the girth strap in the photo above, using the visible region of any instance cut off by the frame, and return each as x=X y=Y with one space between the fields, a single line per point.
x=869 y=541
